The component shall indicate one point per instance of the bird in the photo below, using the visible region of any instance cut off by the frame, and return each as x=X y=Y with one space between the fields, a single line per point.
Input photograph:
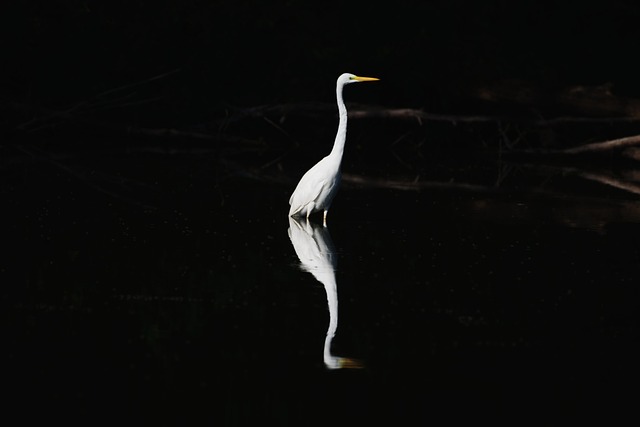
x=319 y=185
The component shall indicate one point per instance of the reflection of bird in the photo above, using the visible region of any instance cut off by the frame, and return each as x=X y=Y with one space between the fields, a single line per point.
x=314 y=248
x=319 y=185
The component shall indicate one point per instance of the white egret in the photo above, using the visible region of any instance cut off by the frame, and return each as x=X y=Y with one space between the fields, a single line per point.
x=319 y=185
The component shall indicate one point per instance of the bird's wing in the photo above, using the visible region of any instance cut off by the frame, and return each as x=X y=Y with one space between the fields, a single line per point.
x=310 y=186
x=306 y=192
x=317 y=188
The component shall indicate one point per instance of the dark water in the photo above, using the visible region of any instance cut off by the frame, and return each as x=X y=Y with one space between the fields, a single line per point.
x=165 y=288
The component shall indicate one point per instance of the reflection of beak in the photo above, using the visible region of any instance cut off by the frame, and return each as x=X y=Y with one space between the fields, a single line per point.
x=365 y=79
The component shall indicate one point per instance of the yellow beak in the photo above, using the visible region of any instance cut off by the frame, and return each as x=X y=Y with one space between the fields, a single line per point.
x=365 y=79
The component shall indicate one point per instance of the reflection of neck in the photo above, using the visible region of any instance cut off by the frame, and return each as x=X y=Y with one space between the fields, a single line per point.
x=330 y=287
x=317 y=256
x=341 y=136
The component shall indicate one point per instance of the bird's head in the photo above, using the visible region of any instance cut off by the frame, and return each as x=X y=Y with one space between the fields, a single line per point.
x=347 y=78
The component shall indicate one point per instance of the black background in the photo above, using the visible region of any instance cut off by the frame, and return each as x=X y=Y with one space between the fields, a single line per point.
x=162 y=283
x=220 y=54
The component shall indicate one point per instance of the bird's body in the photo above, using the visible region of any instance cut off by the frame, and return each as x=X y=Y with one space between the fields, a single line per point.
x=319 y=185
x=316 y=188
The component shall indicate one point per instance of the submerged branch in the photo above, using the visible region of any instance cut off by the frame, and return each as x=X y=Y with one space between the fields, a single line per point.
x=627 y=182
x=605 y=145
x=138 y=83
x=611 y=181
x=38 y=153
x=358 y=111
x=612 y=144
x=416 y=185
x=50 y=116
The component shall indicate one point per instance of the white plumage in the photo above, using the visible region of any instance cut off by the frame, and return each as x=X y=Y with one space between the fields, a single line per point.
x=319 y=185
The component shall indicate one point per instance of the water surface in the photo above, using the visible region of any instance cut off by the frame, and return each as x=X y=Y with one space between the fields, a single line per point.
x=172 y=288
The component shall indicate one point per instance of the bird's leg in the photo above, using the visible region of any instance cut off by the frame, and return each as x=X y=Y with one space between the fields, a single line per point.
x=324 y=218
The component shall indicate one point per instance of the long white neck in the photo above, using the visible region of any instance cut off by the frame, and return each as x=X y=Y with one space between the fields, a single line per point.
x=341 y=136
